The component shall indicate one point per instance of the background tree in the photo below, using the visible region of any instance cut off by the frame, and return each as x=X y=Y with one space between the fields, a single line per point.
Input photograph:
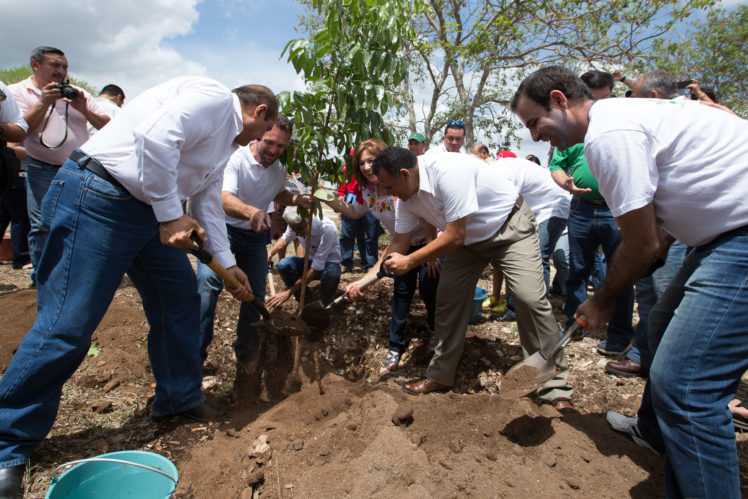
x=16 y=74
x=467 y=56
x=714 y=52
x=348 y=64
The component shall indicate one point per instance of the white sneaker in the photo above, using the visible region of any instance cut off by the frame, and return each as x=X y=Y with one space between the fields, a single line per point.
x=628 y=425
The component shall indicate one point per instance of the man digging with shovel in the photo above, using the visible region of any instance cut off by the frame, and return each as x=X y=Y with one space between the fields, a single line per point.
x=254 y=177
x=114 y=207
x=484 y=221
x=668 y=170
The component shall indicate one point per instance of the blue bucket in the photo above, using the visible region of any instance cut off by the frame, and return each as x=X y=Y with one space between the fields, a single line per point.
x=480 y=295
x=117 y=475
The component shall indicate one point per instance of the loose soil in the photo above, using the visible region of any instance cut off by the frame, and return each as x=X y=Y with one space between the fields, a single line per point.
x=347 y=429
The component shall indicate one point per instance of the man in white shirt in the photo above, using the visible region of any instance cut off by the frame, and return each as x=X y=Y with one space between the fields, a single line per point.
x=253 y=178
x=57 y=125
x=110 y=101
x=483 y=221
x=116 y=207
x=667 y=170
x=454 y=138
x=324 y=257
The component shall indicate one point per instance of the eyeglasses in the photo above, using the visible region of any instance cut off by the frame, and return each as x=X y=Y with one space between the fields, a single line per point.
x=456 y=123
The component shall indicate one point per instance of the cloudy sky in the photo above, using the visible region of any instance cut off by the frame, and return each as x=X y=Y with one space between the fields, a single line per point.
x=139 y=43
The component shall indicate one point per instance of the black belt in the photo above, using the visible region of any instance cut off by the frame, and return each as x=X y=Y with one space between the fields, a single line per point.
x=91 y=164
x=597 y=203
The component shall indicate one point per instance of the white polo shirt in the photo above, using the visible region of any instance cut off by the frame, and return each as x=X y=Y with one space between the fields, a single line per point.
x=251 y=182
x=688 y=159
x=325 y=243
x=454 y=186
x=172 y=143
x=544 y=196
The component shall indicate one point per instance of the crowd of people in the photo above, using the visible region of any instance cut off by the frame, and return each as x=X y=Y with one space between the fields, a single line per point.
x=642 y=197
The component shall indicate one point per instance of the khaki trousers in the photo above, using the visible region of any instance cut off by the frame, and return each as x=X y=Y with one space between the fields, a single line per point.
x=515 y=249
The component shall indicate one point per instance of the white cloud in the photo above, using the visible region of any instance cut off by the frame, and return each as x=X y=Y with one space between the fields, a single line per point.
x=133 y=43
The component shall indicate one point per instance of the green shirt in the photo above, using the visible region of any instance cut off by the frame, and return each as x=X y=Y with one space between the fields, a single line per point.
x=572 y=162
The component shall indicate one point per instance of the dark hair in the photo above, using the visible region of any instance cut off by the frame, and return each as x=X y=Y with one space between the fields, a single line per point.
x=539 y=84
x=255 y=95
x=533 y=158
x=598 y=79
x=284 y=124
x=113 y=90
x=483 y=148
x=392 y=159
x=455 y=125
x=39 y=53
x=372 y=146
x=662 y=81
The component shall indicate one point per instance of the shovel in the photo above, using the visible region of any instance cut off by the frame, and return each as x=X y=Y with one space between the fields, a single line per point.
x=528 y=375
x=279 y=322
x=318 y=315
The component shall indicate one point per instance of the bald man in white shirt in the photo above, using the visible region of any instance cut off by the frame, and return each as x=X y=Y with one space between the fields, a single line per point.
x=115 y=207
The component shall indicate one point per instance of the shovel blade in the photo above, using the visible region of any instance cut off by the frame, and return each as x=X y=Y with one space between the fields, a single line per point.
x=315 y=314
x=522 y=378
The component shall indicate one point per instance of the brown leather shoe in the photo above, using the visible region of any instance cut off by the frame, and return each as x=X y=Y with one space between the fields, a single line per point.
x=424 y=385
x=563 y=405
x=627 y=368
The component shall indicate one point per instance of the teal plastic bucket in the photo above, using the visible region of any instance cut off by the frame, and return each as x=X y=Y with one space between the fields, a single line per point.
x=117 y=475
x=480 y=295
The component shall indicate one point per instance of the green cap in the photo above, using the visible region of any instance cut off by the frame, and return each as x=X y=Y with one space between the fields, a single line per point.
x=417 y=136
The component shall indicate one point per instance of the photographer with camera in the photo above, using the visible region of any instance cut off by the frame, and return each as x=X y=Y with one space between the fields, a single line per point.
x=57 y=114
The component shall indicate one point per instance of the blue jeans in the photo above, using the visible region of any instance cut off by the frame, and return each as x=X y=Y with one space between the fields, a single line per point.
x=698 y=330
x=590 y=227
x=561 y=262
x=363 y=231
x=549 y=231
x=648 y=291
x=251 y=255
x=13 y=211
x=290 y=270
x=97 y=233
x=402 y=296
x=38 y=179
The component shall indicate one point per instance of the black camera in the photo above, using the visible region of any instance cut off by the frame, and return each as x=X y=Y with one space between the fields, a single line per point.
x=67 y=90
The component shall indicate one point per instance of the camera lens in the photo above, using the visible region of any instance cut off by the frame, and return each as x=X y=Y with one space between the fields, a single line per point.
x=69 y=92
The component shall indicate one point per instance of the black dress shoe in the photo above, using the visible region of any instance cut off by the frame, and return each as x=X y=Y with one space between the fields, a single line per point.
x=424 y=385
x=201 y=413
x=11 y=482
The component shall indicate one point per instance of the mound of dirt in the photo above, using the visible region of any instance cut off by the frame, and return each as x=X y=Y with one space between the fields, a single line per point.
x=344 y=427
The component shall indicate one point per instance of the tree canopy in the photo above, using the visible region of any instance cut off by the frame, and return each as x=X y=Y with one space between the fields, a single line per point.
x=714 y=52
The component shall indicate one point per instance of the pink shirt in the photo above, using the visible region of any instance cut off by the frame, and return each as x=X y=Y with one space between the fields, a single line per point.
x=26 y=94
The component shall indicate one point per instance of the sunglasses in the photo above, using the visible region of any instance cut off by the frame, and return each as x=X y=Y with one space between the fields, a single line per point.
x=456 y=123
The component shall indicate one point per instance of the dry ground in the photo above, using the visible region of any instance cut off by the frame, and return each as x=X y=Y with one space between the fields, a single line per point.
x=349 y=430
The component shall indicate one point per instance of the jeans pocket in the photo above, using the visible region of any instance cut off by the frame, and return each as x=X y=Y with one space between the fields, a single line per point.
x=49 y=202
x=102 y=188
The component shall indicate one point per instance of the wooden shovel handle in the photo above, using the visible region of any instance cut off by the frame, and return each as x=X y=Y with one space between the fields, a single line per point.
x=230 y=280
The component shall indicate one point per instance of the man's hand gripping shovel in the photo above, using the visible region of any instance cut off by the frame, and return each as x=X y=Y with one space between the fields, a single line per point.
x=279 y=322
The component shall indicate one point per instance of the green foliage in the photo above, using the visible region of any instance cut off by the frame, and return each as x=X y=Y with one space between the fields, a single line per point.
x=714 y=52
x=16 y=74
x=471 y=54
x=349 y=64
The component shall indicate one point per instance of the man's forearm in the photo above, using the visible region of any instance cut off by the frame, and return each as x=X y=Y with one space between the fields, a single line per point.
x=96 y=119
x=311 y=275
x=35 y=114
x=631 y=261
x=10 y=132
